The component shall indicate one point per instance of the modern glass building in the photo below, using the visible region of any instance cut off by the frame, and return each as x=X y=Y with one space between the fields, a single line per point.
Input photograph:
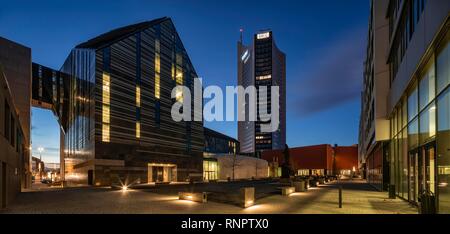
x=262 y=64
x=115 y=108
x=418 y=100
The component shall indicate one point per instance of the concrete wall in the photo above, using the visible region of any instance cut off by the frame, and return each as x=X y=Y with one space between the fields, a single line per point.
x=244 y=167
x=308 y=157
x=11 y=151
x=346 y=158
x=16 y=62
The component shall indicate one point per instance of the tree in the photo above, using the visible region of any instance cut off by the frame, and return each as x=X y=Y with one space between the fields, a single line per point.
x=231 y=163
x=286 y=169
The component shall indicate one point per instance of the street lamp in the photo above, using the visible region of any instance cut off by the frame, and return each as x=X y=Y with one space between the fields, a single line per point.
x=40 y=150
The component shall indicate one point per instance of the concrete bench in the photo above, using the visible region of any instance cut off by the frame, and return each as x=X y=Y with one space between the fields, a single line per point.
x=286 y=191
x=300 y=186
x=195 y=197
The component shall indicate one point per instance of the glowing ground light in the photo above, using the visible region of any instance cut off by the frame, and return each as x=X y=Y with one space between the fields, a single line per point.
x=249 y=203
x=124 y=188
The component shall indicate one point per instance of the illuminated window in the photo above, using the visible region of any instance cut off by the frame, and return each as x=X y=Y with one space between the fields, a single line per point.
x=179 y=75
x=105 y=133
x=267 y=77
x=157 y=86
x=106 y=88
x=263 y=35
x=138 y=96
x=210 y=170
x=179 y=94
x=157 y=63
x=138 y=130
x=157 y=69
x=106 y=113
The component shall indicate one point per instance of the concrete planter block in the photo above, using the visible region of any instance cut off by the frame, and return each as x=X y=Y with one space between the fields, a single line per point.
x=248 y=196
x=313 y=183
x=195 y=197
x=286 y=191
x=300 y=186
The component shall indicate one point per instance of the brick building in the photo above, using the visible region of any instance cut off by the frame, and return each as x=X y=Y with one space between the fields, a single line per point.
x=315 y=160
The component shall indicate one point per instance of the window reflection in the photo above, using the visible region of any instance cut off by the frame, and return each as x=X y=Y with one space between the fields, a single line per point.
x=427 y=124
x=412 y=105
x=443 y=150
x=426 y=86
x=443 y=68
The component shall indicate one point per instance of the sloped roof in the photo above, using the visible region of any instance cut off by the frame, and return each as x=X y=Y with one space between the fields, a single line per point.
x=119 y=33
x=212 y=133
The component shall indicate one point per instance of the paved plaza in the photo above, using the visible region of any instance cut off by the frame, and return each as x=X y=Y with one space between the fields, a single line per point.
x=358 y=198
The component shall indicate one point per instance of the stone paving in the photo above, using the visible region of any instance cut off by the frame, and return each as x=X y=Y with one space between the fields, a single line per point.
x=358 y=198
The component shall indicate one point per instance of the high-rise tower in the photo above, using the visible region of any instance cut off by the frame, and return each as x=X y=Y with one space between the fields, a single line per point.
x=262 y=64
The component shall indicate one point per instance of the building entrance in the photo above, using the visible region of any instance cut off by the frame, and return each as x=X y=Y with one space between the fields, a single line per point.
x=422 y=172
x=162 y=173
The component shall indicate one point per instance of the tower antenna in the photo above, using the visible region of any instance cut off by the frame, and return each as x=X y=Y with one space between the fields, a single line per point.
x=241 y=30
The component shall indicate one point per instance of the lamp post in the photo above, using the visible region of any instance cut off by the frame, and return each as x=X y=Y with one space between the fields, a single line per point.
x=40 y=150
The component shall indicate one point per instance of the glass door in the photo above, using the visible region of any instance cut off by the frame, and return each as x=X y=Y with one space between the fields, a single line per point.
x=426 y=163
x=430 y=168
x=158 y=174
x=413 y=176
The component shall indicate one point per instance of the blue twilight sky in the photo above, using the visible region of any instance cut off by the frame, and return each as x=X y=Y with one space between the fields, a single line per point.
x=324 y=42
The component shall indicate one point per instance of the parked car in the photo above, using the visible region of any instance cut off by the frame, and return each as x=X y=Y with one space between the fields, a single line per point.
x=46 y=181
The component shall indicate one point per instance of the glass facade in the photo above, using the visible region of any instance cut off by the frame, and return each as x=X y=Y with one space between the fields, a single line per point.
x=443 y=127
x=420 y=136
x=210 y=170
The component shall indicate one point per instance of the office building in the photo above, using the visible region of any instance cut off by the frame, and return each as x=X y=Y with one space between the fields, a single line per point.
x=113 y=100
x=261 y=64
x=417 y=100
x=374 y=124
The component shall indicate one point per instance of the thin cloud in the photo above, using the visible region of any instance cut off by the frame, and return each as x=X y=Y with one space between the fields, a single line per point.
x=337 y=77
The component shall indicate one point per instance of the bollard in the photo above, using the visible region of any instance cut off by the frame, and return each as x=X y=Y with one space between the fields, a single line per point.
x=247 y=197
x=340 y=196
